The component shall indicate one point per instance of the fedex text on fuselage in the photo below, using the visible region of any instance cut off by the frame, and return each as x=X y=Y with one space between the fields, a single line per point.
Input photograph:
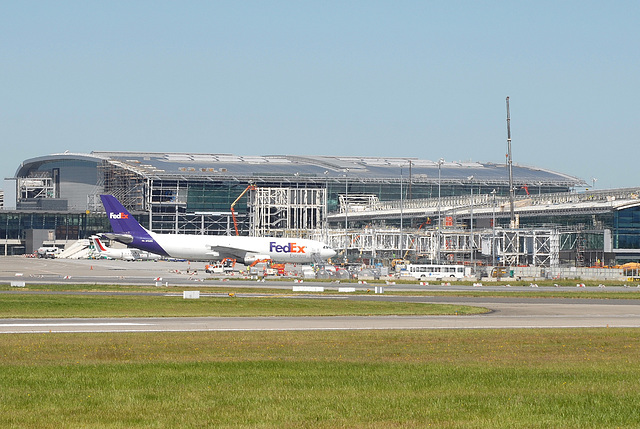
x=287 y=248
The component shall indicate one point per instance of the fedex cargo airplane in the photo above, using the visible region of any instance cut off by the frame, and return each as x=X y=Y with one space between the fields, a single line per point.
x=209 y=247
x=125 y=254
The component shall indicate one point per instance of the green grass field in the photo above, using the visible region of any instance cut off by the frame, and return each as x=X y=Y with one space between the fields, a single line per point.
x=587 y=378
x=27 y=306
x=573 y=378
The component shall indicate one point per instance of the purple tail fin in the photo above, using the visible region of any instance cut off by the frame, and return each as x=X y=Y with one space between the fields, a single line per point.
x=122 y=222
x=127 y=230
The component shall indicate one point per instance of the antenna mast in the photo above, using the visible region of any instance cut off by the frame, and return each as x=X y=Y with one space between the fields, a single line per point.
x=509 y=165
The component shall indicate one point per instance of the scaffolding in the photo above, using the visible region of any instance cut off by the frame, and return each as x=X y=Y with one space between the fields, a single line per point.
x=125 y=183
x=37 y=185
x=198 y=223
x=286 y=211
x=539 y=247
x=581 y=247
x=358 y=202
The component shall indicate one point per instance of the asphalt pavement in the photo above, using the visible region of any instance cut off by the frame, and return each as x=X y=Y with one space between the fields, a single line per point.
x=506 y=312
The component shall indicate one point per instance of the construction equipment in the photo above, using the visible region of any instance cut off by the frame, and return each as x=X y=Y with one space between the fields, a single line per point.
x=261 y=267
x=225 y=266
x=214 y=268
x=428 y=221
x=250 y=187
x=260 y=261
x=279 y=268
x=398 y=264
x=228 y=264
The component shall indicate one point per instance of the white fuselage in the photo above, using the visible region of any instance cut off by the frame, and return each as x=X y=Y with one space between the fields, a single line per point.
x=129 y=254
x=125 y=254
x=208 y=247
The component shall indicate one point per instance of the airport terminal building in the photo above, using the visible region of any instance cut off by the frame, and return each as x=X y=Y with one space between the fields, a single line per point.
x=368 y=208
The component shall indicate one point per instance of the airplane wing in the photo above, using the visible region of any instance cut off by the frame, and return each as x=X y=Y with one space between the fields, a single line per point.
x=228 y=252
x=244 y=255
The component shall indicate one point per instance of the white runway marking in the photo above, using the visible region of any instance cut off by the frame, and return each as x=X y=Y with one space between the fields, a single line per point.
x=39 y=325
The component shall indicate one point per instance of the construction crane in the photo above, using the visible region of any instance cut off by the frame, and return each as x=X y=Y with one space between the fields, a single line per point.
x=251 y=187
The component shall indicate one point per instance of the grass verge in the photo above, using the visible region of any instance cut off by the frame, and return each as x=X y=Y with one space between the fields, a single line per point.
x=383 y=379
x=34 y=306
x=589 y=292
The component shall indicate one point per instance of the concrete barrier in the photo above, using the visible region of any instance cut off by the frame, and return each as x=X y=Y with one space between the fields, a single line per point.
x=191 y=294
x=308 y=289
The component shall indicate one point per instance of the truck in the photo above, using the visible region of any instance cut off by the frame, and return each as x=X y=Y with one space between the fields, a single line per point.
x=48 y=252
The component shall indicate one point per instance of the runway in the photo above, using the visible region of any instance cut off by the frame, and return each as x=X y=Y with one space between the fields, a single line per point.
x=172 y=273
x=505 y=312
x=504 y=315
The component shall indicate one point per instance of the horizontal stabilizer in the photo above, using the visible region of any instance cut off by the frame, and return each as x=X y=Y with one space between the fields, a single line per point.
x=122 y=238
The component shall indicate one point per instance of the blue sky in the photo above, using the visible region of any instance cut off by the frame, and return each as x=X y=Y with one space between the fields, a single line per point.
x=371 y=78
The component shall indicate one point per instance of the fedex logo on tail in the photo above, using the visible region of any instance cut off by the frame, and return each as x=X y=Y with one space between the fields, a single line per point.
x=287 y=248
x=118 y=216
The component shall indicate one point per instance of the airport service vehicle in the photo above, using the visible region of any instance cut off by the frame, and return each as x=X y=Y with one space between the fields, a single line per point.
x=127 y=230
x=226 y=266
x=214 y=269
x=498 y=272
x=48 y=252
x=438 y=272
x=124 y=254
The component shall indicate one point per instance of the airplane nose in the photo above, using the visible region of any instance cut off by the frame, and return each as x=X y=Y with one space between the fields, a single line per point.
x=330 y=253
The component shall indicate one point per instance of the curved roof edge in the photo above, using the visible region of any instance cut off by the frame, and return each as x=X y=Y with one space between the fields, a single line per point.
x=57 y=157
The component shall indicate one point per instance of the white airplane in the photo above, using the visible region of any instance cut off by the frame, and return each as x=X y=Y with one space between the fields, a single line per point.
x=210 y=247
x=125 y=254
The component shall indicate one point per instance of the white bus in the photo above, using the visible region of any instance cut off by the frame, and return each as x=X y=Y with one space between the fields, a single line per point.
x=438 y=272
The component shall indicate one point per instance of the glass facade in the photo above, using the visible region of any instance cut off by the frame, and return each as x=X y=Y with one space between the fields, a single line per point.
x=67 y=227
x=214 y=196
x=626 y=231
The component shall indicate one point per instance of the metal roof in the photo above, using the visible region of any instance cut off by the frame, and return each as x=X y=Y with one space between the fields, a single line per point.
x=223 y=166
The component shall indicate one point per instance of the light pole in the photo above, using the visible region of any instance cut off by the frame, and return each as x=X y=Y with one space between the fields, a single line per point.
x=401 y=213
x=326 y=206
x=470 y=178
x=493 y=230
x=440 y=162
x=346 y=215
